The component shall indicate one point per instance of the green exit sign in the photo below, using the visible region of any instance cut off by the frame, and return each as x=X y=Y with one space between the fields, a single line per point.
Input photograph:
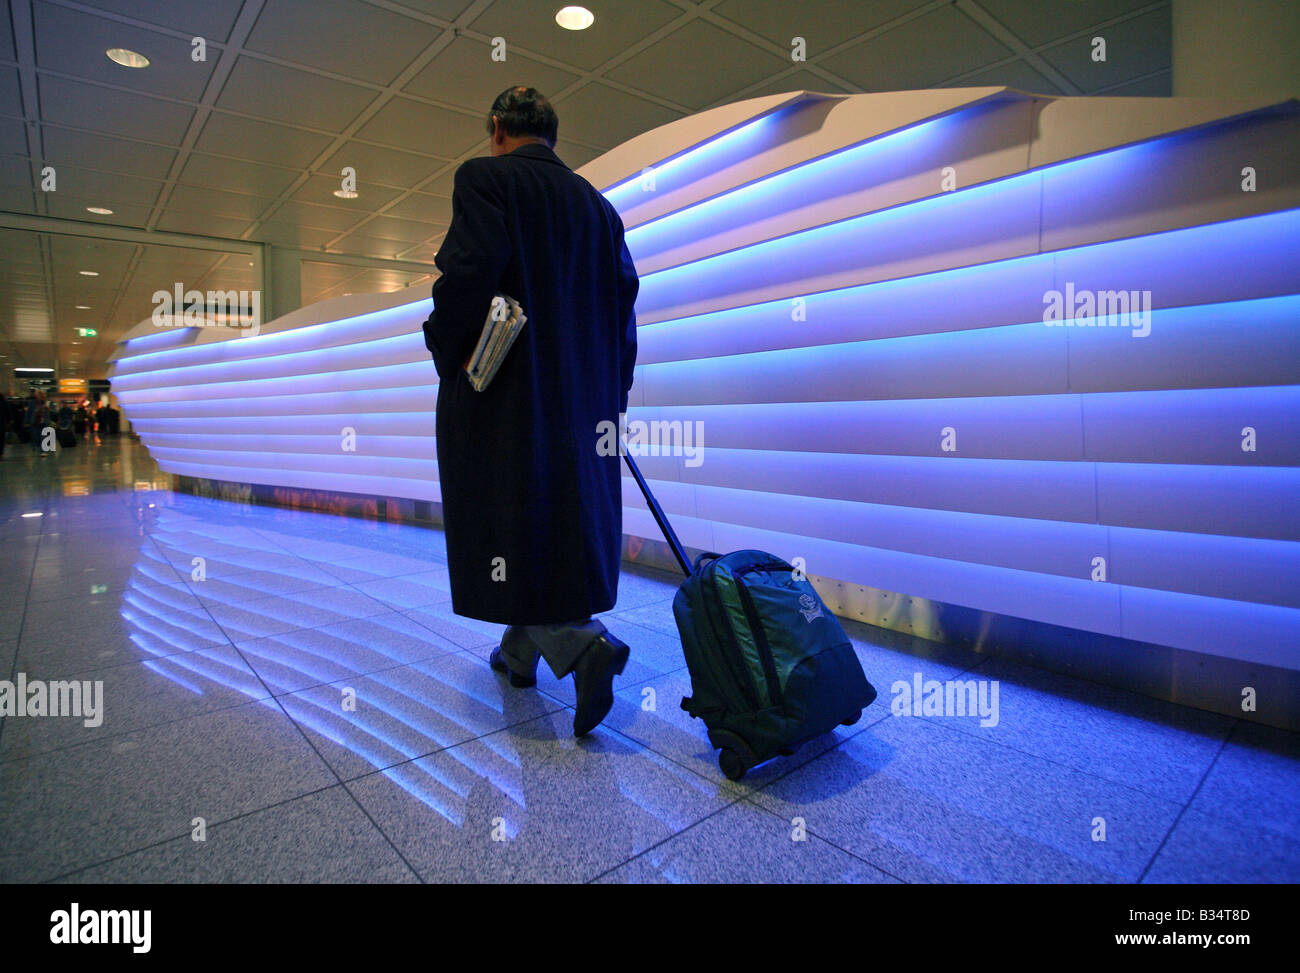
x=87 y=332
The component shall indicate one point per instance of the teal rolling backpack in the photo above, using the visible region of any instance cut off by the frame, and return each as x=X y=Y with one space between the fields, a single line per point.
x=771 y=667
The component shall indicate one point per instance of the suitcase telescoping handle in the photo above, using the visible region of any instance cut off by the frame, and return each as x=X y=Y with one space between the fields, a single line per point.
x=669 y=534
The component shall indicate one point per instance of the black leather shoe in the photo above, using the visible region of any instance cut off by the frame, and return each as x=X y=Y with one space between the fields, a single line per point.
x=516 y=680
x=593 y=677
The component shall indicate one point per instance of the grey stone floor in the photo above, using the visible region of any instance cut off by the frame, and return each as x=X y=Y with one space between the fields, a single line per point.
x=224 y=700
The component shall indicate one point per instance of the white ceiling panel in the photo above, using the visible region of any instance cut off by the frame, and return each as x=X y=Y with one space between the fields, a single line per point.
x=350 y=38
x=417 y=127
x=465 y=74
x=74 y=43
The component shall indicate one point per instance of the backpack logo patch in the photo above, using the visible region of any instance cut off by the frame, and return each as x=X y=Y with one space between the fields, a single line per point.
x=809 y=608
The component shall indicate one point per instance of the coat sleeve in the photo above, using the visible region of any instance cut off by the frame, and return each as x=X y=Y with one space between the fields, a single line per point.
x=472 y=258
x=629 y=284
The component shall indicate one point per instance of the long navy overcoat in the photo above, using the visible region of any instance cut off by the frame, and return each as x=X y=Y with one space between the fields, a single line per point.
x=532 y=511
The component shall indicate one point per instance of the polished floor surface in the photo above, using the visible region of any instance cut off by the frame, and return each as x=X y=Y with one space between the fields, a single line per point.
x=287 y=696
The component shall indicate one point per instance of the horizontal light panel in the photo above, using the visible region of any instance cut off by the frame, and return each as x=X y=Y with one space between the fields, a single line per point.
x=855 y=341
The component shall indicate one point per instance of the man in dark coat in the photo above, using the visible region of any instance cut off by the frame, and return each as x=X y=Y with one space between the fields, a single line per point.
x=532 y=503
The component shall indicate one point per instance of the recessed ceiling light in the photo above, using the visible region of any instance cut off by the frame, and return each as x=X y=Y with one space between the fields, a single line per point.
x=575 y=18
x=128 y=59
x=81 y=307
x=99 y=211
x=346 y=193
x=88 y=273
x=34 y=515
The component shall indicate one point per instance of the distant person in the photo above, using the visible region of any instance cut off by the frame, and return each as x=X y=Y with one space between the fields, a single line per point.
x=81 y=420
x=37 y=418
x=533 y=512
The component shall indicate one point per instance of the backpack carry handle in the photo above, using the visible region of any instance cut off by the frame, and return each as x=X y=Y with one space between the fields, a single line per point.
x=670 y=535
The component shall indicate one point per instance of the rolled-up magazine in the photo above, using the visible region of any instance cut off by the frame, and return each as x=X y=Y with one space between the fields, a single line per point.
x=505 y=319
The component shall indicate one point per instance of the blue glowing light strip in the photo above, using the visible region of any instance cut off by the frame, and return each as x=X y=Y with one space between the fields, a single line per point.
x=341 y=331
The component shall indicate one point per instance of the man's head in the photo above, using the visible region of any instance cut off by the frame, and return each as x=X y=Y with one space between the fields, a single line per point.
x=519 y=116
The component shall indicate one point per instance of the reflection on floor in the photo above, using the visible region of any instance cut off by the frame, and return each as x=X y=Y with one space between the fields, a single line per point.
x=293 y=689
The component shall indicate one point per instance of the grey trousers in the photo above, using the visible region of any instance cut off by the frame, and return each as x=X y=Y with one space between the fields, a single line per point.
x=560 y=645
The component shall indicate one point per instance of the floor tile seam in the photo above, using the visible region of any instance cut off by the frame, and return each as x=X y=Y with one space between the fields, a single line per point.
x=1058 y=764
x=212 y=825
x=748 y=799
x=436 y=750
x=335 y=774
x=665 y=840
x=1186 y=807
x=118 y=734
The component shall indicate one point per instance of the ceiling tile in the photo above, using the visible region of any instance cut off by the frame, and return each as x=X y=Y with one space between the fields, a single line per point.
x=670 y=67
x=442 y=9
x=65 y=147
x=368 y=246
x=100 y=109
x=1159 y=85
x=210 y=19
x=617 y=27
x=576 y=156
x=1037 y=23
x=319 y=190
x=343 y=36
x=919 y=53
x=11 y=98
x=16 y=171
x=13 y=137
x=422 y=254
x=376 y=165
x=219 y=226
x=333 y=218
x=606 y=117
x=72 y=42
x=6 y=34
x=16 y=201
x=1133 y=48
x=422 y=206
x=300 y=98
x=69 y=207
x=212 y=202
x=465 y=74
x=401 y=231
x=236 y=175
x=260 y=141
x=822 y=24
x=105 y=189
x=443 y=185
x=406 y=124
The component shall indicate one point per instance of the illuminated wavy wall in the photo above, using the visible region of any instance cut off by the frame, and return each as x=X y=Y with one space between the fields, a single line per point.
x=845 y=296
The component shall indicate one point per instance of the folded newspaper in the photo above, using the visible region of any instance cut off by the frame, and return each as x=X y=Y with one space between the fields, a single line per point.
x=505 y=320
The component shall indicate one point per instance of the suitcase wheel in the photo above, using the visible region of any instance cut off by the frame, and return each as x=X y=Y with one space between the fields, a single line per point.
x=731 y=764
x=852 y=719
